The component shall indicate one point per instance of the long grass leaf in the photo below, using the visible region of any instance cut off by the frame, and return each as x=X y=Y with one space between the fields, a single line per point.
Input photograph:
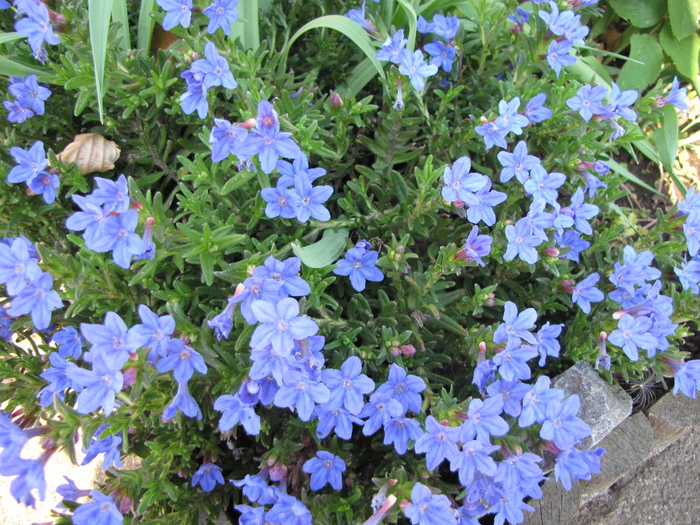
x=20 y=69
x=350 y=29
x=412 y=23
x=9 y=37
x=247 y=28
x=627 y=174
x=99 y=14
x=597 y=51
x=361 y=75
x=121 y=16
x=144 y=32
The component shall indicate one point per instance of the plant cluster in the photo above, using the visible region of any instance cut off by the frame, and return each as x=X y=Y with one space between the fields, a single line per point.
x=289 y=292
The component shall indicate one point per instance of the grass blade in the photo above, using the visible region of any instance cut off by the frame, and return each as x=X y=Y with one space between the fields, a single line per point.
x=627 y=174
x=247 y=27
x=99 y=14
x=20 y=69
x=121 y=16
x=144 y=32
x=350 y=29
x=412 y=23
x=597 y=51
x=361 y=75
x=9 y=37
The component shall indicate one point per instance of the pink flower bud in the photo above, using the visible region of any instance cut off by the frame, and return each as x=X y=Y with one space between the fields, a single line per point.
x=336 y=101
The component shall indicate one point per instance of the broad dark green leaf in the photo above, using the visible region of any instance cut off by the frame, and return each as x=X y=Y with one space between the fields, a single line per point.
x=640 y=13
x=683 y=52
x=684 y=17
x=666 y=137
x=633 y=75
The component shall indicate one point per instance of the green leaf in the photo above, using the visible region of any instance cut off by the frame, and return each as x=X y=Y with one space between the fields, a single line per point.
x=361 y=75
x=247 y=27
x=640 y=13
x=350 y=29
x=324 y=252
x=9 y=37
x=637 y=76
x=588 y=73
x=121 y=16
x=666 y=137
x=683 y=52
x=412 y=24
x=684 y=17
x=20 y=69
x=144 y=32
x=99 y=13
x=623 y=171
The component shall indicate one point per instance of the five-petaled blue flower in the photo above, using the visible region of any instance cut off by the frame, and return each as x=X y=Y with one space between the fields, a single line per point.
x=325 y=468
x=360 y=265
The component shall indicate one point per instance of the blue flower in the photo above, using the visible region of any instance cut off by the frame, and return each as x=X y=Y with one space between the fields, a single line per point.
x=30 y=163
x=338 y=419
x=577 y=464
x=100 y=511
x=270 y=144
x=689 y=275
x=391 y=47
x=543 y=185
x=179 y=12
x=586 y=293
x=39 y=299
x=475 y=457
x=509 y=120
x=183 y=402
x=119 y=236
x=111 y=195
x=45 y=184
x=512 y=361
x=325 y=469
x=308 y=200
x=360 y=265
x=347 y=385
x=521 y=242
x=520 y=473
x=535 y=401
x=493 y=135
x=17 y=113
x=404 y=388
x=37 y=26
x=57 y=376
x=112 y=339
x=517 y=164
x=288 y=510
x=399 y=431
x=222 y=13
x=484 y=420
x=588 y=101
x=677 y=95
x=17 y=266
x=476 y=246
x=460 y=182
x=686 y=378
x=444 y=26
x=380 y=409
x=29 y=93
x=195 y=98
x=547 y=344
x=256 y=489
x=691 y=229
x=183 y=360
x=516 y=325
x=280 y=325
x=236 y=411
x=69 y=341
x=285 y=272
x=109 y=446
x=207 y=476
x=633 y=333
x=535 y=110
x=443 y=56
x=619 y=102
x=225 y=138
x=512 y=392
x=215 y=68
x=558 y=55
x=427 y=508
x=438 y=443
x=480 y=204
x=301 y=392
x=414 y=66
x=30 y=476
x=562 y=425
x=100 y=385
x=424 y=27
x=155 y=331
x=358 y=16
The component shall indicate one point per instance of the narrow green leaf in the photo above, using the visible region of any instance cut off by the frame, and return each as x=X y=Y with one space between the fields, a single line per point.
x=324 y=252
x=247 y=27
x=586 y=73
x=647 y=66
x=603 y=52
x=684 y=17
x=121 y=16
x=412 y=23
x=9 y=37
x=627 y=174
x=360 y=76
x=99 y=13
x=20 y=69
x=350 y=29
x=144 y=32
x=640 y=13
x=683 y=52
x=666 y=137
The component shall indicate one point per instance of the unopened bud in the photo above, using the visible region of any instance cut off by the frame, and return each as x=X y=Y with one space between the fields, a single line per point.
x=250 y=269
x=408 y=350
x=278 y=472
x=336 y=101
x=248 y=124
x=130 y=375
x=568 y=285
x=484 y=120
x=551 y=251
